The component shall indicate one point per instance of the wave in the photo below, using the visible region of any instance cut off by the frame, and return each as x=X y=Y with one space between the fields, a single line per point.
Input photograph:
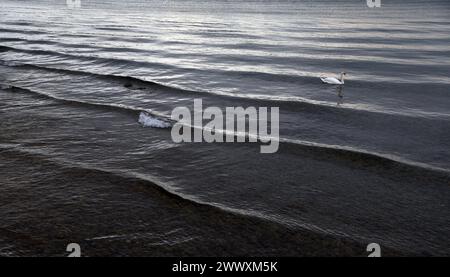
x=126 y=80
x=345 y=153
x=355 y=48
x=88 y=58
x=397 y=65
x=28 y=32
x=134 y=82
x=69 y=45
x=369 y=157
x=259 y=75
x=118 y=107
x=150 y=118
x=169 y=189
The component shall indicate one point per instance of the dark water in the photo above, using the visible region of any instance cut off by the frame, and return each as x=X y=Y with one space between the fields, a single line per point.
x=368 y=162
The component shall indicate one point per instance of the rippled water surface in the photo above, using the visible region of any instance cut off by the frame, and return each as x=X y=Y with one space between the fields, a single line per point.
x=365 y=162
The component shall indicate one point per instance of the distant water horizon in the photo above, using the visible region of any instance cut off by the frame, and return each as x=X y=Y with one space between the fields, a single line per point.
x=365 y=162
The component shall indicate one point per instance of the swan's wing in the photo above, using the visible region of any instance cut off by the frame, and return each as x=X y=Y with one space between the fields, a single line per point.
x=331 y=80
x=324 y=79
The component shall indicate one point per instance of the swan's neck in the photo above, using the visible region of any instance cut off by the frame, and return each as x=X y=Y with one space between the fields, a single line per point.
x=342 y=78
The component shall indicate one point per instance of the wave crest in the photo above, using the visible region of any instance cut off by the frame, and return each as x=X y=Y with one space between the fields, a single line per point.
x=148 y=120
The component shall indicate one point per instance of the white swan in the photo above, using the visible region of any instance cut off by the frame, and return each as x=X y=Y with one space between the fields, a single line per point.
x=333 y=80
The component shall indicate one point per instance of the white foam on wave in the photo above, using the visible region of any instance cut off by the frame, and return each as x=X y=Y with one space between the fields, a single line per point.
x=148 y=120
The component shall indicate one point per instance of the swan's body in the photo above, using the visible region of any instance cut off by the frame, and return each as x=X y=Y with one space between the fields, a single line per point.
x=333 y=80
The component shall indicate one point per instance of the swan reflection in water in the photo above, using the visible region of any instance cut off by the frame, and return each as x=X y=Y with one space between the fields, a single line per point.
x=340 y=95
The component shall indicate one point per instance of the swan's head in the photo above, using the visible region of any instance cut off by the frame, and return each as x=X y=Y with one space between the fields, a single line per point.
x=344 y=73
